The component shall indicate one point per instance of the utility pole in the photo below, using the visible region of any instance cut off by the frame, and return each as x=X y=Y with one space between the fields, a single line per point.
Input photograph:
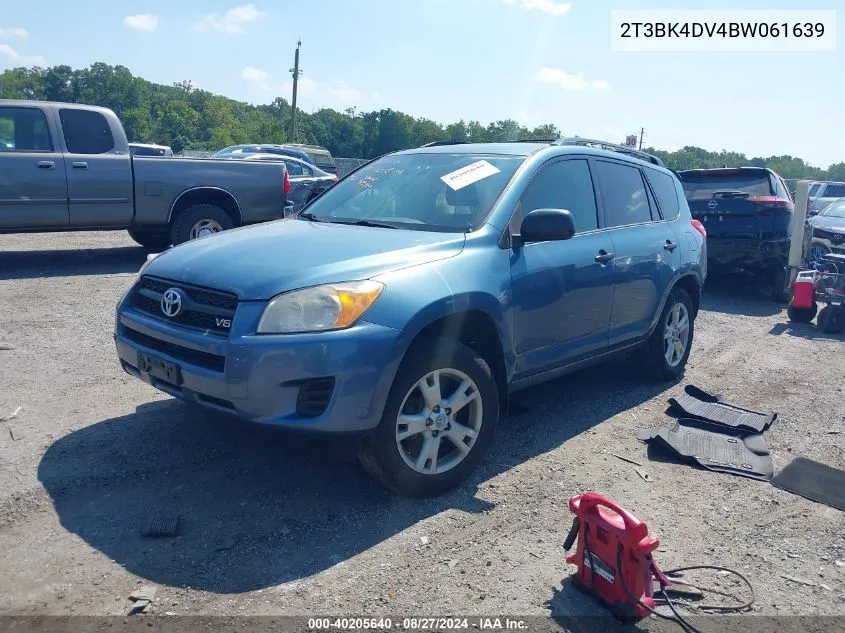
x=296 y=73
x=642 y=133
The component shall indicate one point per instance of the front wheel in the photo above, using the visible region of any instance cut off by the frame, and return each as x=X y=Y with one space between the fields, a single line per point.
x=668 y=349
x=438 y=423
x=198 y=221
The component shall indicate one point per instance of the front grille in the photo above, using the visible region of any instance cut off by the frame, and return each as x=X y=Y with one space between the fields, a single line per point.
x=214 y=362
x=204 y=309
x=314 y=396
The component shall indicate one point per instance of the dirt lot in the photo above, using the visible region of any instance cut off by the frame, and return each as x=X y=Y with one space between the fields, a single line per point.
x=273 y=525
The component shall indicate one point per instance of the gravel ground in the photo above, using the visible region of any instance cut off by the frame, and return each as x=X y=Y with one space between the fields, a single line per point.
x=277 y=525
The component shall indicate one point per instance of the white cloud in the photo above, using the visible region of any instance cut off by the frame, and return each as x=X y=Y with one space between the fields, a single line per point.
x=13 y=32
x=256 y=76
x=143 y=22
x=544 y=6
x=567 y=81
x=232 y=22
x=21 y=60
x=334 y=93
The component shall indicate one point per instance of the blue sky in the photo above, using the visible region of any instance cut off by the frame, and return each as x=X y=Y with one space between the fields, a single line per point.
x=532 y=60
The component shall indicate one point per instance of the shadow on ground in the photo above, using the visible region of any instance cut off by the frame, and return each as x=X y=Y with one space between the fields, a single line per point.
x=738 y=294
x=71 y=262
x=261 y=508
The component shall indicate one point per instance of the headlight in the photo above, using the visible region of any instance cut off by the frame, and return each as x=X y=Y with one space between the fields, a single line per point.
x=150 y=258
x=318 y=309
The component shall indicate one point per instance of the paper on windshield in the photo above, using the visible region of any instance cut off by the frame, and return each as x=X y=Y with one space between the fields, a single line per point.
x=470 y=174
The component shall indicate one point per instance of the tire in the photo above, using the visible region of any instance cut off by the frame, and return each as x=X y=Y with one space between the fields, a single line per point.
x=831 y=319
x=154 y=241
x=184 y=228
x=656 y=358
x=384 y=455
x=802 y=315
x=781 y=292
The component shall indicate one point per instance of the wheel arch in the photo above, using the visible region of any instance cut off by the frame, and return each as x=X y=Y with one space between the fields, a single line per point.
x=215 y=196
x=691 y=283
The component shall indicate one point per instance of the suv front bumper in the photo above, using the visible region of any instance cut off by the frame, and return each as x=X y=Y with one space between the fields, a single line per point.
x=327 y=382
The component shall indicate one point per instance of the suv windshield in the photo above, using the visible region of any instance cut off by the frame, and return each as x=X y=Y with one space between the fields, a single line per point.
x=704 y=186
x=427 y=192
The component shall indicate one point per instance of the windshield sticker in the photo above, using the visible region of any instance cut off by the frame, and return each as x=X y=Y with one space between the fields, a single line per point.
x=470 y=174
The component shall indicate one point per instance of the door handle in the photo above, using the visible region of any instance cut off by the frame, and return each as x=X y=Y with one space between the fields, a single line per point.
x=80 y=165
x=45 y=164
x=306 y=182
x=670 y=245
x=603 y=257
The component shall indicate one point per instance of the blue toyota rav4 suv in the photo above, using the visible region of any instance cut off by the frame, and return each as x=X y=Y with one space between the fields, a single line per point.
x=409 y=300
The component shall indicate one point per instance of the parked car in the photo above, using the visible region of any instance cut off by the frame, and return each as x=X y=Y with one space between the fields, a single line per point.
x=71 y=170
x=822 y=194
x=826 y=232
x=148 y=149
x=748 y=213
x=410 y=299
x=281 y=150
x=306 y=181
x=319 y=156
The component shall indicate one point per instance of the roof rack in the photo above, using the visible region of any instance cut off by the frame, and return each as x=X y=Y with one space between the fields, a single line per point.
x=447 y=142
x=613 y=147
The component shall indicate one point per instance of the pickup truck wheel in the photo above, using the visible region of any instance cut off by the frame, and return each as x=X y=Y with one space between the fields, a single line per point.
x=198 y=221
x=155 y=241
x=438 y=423
x=669 y=347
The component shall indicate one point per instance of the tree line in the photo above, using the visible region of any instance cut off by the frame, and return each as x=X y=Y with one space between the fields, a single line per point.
x=188 y=118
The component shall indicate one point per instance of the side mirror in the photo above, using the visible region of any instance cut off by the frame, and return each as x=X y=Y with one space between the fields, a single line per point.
x=547 y=225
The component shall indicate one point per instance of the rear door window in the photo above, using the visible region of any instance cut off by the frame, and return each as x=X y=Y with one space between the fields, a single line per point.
x=666 y=193
x=294 y=168
x=625 y=196
x=86 y=132
x=814 y=189
x=24 y=130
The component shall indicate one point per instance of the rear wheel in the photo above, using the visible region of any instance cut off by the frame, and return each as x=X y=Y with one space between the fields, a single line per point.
x=831 y=319
x=152 y=240
x=668 y=349
x=781 y=292
x=438 y=423
x=802 y=315
x=198 y=221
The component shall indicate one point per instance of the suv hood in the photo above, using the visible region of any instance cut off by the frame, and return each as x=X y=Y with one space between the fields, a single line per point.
x=261 y=261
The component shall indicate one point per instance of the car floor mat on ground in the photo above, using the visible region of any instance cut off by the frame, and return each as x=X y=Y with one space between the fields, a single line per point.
x=697 y=403
x=814 y=481
x=747 y=457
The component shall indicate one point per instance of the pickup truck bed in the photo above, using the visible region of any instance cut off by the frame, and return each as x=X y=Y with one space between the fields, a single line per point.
x=70 y=169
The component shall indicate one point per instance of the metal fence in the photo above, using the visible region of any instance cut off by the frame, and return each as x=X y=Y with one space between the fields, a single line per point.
x=344 y=165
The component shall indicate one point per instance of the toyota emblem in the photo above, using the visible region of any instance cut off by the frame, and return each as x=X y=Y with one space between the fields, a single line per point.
x=712 y=204
x=171 y=302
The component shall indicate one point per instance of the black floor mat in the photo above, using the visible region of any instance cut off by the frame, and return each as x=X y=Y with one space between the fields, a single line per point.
x=747 y=457
x=697 y=403
x=813 y=481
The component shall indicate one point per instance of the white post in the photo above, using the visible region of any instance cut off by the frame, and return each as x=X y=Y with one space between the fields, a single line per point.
x=799 y=219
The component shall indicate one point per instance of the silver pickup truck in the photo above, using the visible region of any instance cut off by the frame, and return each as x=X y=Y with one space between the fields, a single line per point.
x=67 y=167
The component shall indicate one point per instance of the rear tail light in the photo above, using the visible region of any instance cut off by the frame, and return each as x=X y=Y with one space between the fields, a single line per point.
x=336 y=178
x=773 y=205
x=698 y=226
x=286 y=181
x=807 y=212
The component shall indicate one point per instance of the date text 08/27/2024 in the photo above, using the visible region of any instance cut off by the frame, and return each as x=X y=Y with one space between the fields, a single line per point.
x=416 y=624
